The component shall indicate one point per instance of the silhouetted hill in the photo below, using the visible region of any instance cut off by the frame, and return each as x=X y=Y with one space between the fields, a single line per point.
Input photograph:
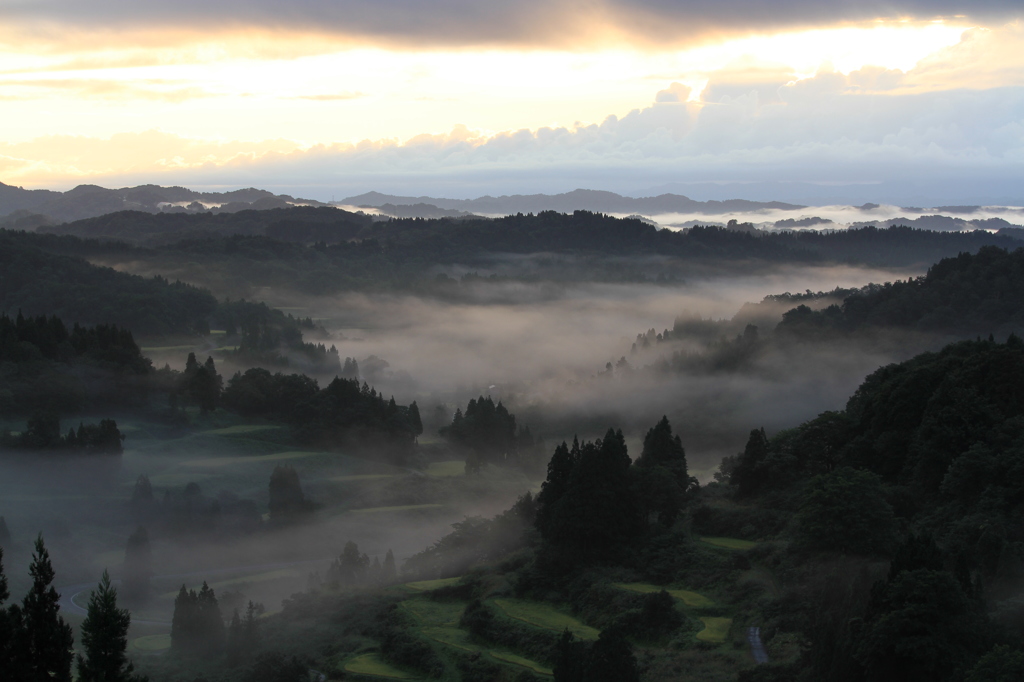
x=303 y=224
x=88 y=201
x=577 y=200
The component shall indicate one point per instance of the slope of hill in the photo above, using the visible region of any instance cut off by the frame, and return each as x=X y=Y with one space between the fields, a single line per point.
x=577 y=200
x=87 y=201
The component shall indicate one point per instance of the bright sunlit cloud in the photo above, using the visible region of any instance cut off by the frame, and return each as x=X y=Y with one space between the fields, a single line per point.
x=243 y=99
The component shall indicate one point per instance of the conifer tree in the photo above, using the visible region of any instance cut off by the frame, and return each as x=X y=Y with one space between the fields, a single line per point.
x=138 y=565
x=388 y=572
x=210 y=622
x=233 y=646
x=43 y=641
x=5 y=533
x=183 y=621
x=414 y=418
x=105 y=638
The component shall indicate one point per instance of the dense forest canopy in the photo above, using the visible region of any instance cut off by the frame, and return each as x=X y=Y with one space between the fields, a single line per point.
x=321 y=250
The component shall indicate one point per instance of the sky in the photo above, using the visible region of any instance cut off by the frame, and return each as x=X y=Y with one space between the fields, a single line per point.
x=905 y=101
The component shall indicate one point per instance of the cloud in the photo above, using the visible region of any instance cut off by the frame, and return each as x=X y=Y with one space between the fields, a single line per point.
x=332 y=97
x=888 y=131
x=151 y=89
x=474 y=22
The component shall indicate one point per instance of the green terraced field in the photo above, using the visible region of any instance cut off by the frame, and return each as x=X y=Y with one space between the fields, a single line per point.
x=241 y=428
x=429 y=612
x=729 y=543
x=544 y=616
x=520 y=661
x=694 y=599
x=453 y=637
x=432 y=584
x=371 y=664
x=407 y=507
x=459 y=639
x=715 y=629
x=450 y=468
x=150 y=644
x=253 y=459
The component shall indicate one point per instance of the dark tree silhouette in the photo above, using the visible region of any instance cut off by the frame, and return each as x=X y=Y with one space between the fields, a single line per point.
x=105 y=639
x=287 y=501
x=138 y=565
x=43 y=640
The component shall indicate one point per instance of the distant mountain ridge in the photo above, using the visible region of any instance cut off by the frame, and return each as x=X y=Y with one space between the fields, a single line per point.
x=580 y=199
x=89 y=201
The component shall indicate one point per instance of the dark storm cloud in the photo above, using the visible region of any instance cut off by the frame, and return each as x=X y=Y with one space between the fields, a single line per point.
x=467 y=22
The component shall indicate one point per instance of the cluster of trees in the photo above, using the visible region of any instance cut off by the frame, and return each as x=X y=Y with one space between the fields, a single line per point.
x=197 y=626
x=188 y=512
x=48 y=365
x=36 y=643
x=342 y=414
x=42 y=432
x=287 y=501
x=199 y=384
x=198 y=630
x=270 y=337
x=354 y=569
x=487 y=434
x=596 y=502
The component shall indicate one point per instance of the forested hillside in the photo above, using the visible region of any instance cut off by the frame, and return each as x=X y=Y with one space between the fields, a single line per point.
x=321 y=250
x=980 y=293
x=39 y=282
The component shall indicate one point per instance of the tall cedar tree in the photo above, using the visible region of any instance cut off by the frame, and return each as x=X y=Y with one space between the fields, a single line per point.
x=388 y=572
x=597 y=516
x=138 y=565
x=560 y=468
x=661 y=476
x=286 y=499
x=43 y=641
x=105 y=638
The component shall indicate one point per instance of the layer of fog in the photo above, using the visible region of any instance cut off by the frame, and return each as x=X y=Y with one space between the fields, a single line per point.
x=841 y=217
x=542 y=349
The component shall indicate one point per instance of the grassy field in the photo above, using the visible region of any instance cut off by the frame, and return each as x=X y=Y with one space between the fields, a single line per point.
x=439 y=622
x=450 y=468
x=430 y=612
x=520 y=661
x=715 y=629
x=150 y=644
x=372 y=665
x=400 y=508
x=544 y=616
x=254 y=459
x=423 y=585
x=694 y=599
x=729 y=543
x=242 y=428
